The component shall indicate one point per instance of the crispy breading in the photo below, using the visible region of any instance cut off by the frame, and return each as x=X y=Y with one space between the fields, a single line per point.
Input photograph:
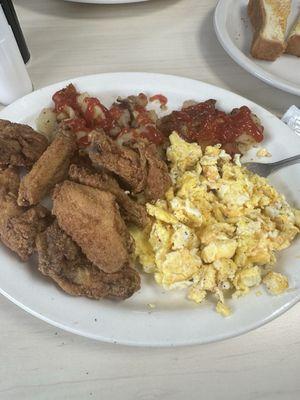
x=9 y=186
x=62 y=260
x=92 y=218
x=20 y=145
x=8 y=207
x=121 y=160
x=158 y=179
x=130 y=210
x=82 y=159
x=9 y=180
x=20 y=231
x=19 y=226
x=137 y=164
x=49 y=170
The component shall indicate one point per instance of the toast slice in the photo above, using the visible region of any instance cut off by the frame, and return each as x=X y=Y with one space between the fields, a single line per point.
x=269 y=20
x=293 y=41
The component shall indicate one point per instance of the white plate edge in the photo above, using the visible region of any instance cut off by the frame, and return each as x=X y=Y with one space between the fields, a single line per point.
x=185 y=342
x=239 y=57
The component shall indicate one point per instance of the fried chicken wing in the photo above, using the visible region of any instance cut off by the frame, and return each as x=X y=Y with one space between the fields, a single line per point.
x=62 y=260
x=92 y=218
x=20 y=231
x=9 y=181
x=158 y=178
x=82 y=159
x=121 y=160
x=137 y=164
x=19 y=226
x=9 y=186
x=50 y=169
x=20 y=145
x=131 y=211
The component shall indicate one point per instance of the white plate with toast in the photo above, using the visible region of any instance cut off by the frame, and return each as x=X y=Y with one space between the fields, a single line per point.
x=174 y=320
x=235 y=33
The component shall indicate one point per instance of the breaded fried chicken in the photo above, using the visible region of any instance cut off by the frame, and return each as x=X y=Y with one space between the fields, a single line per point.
x=19 y=232
x=62 y=260
x=49 y=170
x=130 y=210
x=121 y=160
x=20 y=145
x=92 y=218
x=19 y=226
x=9 y=180
x=9 y=186
x=138 y=165
x=158 y=179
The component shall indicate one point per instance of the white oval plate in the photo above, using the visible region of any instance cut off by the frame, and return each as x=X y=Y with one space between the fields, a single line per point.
x=234 y=31
x=106 y=1
x=174 y=321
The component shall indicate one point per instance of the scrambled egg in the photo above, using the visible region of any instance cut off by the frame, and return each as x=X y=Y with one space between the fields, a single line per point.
x=263 y=153
x=218 y=228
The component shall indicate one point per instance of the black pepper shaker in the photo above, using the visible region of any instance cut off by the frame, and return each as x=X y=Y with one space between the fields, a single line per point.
x=13 y=21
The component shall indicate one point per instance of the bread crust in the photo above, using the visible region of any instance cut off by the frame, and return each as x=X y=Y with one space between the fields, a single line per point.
x=293 y=46
x=262 y=48
x=293 y=42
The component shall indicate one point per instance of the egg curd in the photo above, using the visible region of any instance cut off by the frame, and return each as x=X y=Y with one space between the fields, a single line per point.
x=217 y=230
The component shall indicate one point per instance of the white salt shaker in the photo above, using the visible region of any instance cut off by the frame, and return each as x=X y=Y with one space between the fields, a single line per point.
x=14 y=78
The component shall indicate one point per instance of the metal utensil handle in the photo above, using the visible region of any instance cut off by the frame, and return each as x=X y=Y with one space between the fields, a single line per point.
x=284 y=163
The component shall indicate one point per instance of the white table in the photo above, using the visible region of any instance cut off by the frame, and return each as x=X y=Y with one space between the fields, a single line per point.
x=38 y=361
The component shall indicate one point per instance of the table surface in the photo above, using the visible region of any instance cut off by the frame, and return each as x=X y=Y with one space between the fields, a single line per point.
x=39 y=361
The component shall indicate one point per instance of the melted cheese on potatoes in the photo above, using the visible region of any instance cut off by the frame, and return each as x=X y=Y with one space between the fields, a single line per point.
x=217 y=229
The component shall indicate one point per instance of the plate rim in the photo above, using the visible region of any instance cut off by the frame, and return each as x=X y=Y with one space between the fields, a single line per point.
x=132 y=343
x=106 y=2
x=139 y=73
x=181 y=341
x=220 y=15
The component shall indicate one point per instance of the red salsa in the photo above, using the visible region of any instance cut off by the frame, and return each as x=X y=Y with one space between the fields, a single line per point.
x=66 y=97
x=153 y=134
x=161 y=98
x=94 y=116
x=84 y=141
x=202 y=123
x=103 y=120
x=205 y=124
x=76 y=124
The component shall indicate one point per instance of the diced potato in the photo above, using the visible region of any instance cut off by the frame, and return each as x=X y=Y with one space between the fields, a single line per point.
x=47 y=123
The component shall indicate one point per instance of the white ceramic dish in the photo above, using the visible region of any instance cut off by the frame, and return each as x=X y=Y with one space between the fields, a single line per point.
x=234 y=32
x=174 y=321
x=107 y=1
